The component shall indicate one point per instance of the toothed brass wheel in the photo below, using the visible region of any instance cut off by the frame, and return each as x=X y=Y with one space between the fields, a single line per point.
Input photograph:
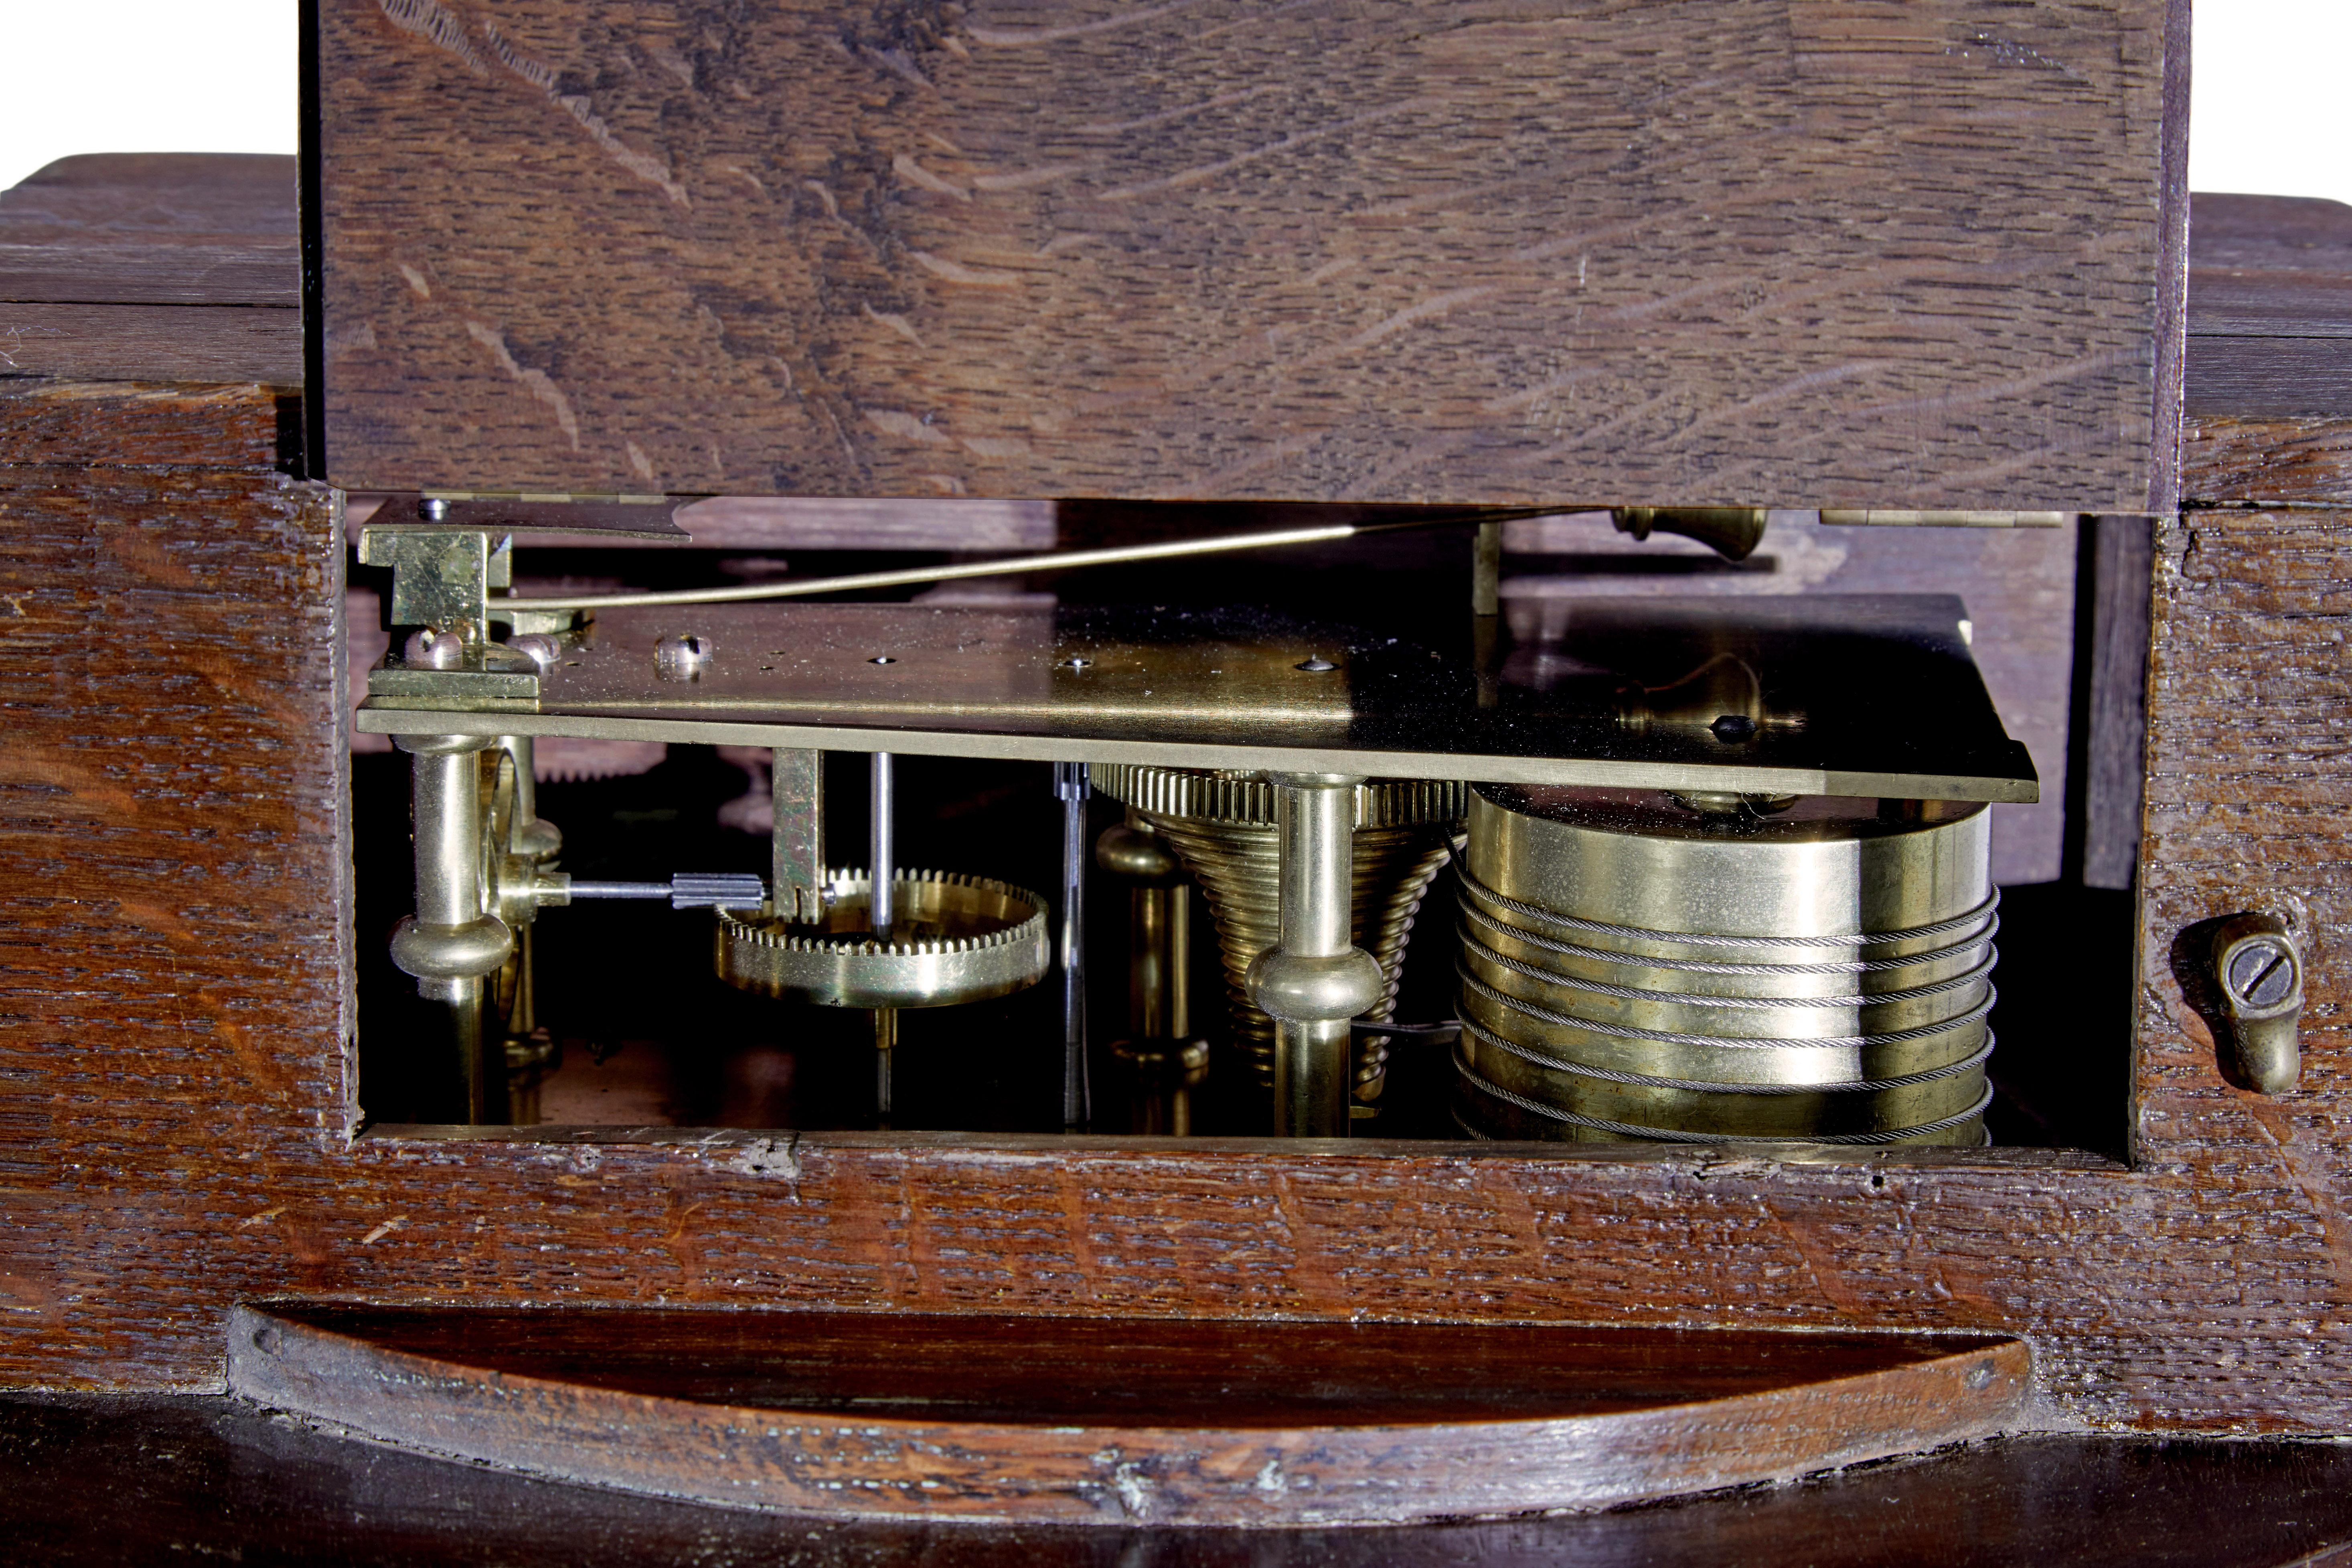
x=953 y=939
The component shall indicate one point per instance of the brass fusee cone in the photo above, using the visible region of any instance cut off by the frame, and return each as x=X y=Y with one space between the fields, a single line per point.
x=1222 y=826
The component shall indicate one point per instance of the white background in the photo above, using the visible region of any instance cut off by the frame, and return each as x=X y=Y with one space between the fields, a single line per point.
x=2271 y=113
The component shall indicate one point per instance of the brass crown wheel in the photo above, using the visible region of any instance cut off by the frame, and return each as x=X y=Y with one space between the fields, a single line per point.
x=953 y=939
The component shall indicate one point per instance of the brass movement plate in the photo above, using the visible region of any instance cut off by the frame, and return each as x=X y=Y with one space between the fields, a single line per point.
x=1838 y=695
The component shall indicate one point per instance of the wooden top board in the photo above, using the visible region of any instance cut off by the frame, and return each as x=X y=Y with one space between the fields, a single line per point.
x=2270 y=309
x=1805 y=253
x=152 y=265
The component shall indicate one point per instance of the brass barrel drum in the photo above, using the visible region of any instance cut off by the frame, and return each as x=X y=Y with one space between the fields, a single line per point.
x=1641 y=965
x=1222 y=826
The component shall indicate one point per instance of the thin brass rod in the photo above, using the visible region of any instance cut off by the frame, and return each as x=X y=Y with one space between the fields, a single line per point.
x=882 y=872
x=1071 y=788
x=476 y=1044
x=885 y=1042
x=1053 y=560
x=882 y=877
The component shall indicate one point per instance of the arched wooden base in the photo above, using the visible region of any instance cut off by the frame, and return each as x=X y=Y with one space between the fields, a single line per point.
x=1084 y=1420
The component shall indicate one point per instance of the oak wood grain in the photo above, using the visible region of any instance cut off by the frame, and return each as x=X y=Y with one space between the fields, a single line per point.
x=176 y=1110
x=107 y=1479
x=2274 y=267
x=2312 y=299
x=2271 y=377
x=152 y=266
x=1802 y=252
x=992 y=1418
x=2174 y=210
x=2270 y=309
x=152 y=228
x=49 y=423
x=2270 y=313
x=2245 y=461
x=153 y=342
x=176 y=1100
x=2107 y=799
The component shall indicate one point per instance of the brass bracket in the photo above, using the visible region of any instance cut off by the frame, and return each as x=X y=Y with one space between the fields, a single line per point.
x=441 y=577
x=494 y=678
x=2258 y=970
x=393 y=685
x=799 y=870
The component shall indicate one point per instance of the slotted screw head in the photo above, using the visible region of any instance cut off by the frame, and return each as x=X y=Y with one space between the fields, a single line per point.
x=2262 y=971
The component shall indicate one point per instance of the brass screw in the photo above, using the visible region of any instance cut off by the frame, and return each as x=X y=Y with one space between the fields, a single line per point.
x=2262 y=972
x=683 y=657
x=432 y=650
